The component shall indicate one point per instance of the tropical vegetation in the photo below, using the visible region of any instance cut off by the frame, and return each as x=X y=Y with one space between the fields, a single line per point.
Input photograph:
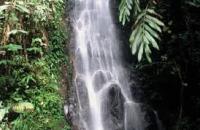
x=32 y=43
x=163 y=37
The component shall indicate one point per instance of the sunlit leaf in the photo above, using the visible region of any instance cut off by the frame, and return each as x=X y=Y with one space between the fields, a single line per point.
x=125 y=8
x=3 y=112
x=140 y=52
x=35 y=49
x=155 y=20
x=3 y=7
x=15 y=31
x=153 y=25
x=12 y=47
x=22 y=8
x=23 y=107
x=145 y=34
x=152 y=40
x=152 y=32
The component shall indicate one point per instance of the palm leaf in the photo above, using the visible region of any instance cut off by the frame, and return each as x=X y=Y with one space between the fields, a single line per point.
x=152 y=32
x=146 y=29
x=125 y=9
x=145 y=34
x=140 y=52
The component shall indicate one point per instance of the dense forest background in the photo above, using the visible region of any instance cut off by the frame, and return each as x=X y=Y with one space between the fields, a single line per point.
x=169 y=59
x=34 y=61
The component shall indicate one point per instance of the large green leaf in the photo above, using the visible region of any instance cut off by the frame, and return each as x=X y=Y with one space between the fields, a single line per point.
x=35 y=49
x=2 y=113
x=6 y=62
x=140 y=52
x=151 y=40
x=22 y=8
x=153 y=25
x=23 y=107
x=152 y=32
x=12 y=47
x=136 y=40
x=155 y=20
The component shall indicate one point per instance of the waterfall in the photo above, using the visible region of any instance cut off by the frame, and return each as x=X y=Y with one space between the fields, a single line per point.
x=103 y=90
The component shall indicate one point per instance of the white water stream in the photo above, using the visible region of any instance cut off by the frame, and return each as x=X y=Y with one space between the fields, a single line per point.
x=104 y=96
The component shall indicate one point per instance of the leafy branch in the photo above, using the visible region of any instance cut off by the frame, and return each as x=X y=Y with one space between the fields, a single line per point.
x=146 y=28
x=125 y=8
x=145 y=33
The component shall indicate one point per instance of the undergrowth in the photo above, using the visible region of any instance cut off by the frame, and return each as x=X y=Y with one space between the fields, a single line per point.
x=32 y=45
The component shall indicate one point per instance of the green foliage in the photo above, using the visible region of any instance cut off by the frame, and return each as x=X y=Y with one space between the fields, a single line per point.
x=146 y=33
x=30 y=65
x=178 y=62
x=146 y=28
x=195 y=3
x=3 y=111
x=12 y=47
x=126 y=6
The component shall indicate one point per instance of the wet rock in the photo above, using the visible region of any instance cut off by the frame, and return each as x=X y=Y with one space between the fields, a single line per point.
x=79 y=62
x=113 y=109
x=99 y=80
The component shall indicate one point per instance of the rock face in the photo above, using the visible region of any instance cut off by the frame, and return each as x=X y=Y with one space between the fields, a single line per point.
x=114 y=105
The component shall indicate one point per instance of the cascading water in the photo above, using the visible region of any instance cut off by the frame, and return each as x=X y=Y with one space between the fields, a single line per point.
x=102 y=87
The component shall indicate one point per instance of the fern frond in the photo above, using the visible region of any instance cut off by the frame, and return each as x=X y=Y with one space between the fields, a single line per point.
x=125 y=8
x=195 y=3
x=146 y=33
